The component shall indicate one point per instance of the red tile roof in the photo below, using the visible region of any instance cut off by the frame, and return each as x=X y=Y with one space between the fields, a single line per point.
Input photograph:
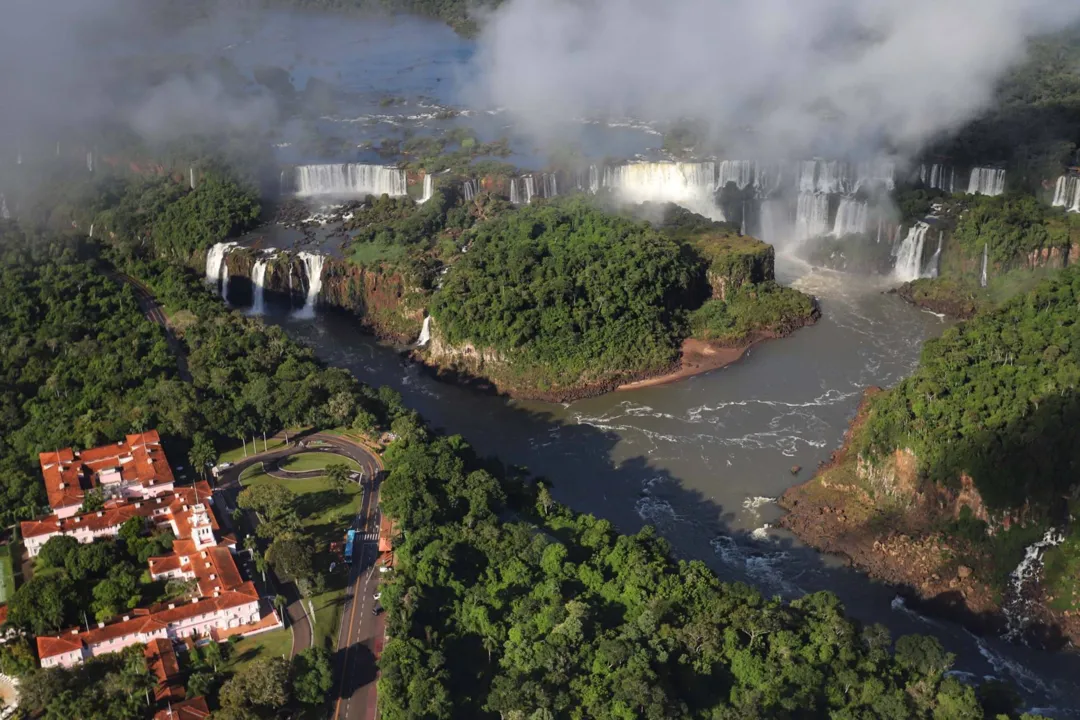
x=69 y=475
x=161 y=660
x=147 y=622
x=193 y=709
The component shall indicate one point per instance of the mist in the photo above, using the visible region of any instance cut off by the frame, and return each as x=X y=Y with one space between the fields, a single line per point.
x=769 y=78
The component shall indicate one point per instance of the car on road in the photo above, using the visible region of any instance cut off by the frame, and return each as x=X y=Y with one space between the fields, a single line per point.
x=376 y=610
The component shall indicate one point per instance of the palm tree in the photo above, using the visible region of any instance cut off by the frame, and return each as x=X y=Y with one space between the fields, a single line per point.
x=280 y=603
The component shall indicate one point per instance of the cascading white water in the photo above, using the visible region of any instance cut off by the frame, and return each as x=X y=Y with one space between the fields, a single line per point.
x=1017 y=606
x=876 y=173
x=594 y=179
x=852 y=217
x=90 y=162
x=349 y=179
x=470 y=189
x=515 y=191
x=215 y=265
x=313 y=266
x=742 y=230
x=225 y=282
x=768 y=177
x=811 y=216
x=938 y=177
x=1067 y=193
x=689 y=185
x=530 y=188
x=191 y=177
x=429 y=188
x=4 y=213
x=986 y=181
x=740 y=172
x=909 y=257
x=549 y=186
x=91 y=231
x=983 y=279
x=425 y=333
x=258 y=277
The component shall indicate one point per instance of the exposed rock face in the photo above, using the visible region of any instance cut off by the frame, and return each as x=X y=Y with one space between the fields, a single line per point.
x=385 y=303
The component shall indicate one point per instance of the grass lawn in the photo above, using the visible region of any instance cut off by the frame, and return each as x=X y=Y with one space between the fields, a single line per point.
x=328 y=612
x=317 y=461
x=272 y=443
x=274 y=643
x=324 y=513
x=7 y=574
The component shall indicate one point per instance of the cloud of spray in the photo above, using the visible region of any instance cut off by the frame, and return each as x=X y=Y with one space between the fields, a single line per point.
x=69 y=64
x=770 y=77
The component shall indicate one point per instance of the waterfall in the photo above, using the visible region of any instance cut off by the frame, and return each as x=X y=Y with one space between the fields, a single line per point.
x=90 y=162
x=429 y=188
x=91 y=231
x=530 y=188
x=690 y=185
x=258 y=278
x=1067 y=193
x=742 y=230
x=594 y=179
x=986 y=257
x=986 y=181
x=470 y=189
x=549 y=186
x=215 y=265
x=879 y=225
x=425 y=333
x=851 y=218
x=909 y=257
x=313 y=266
x=191 y=177
x=515 y=193
x=4 y=213
x=938 y=177
x=740 y=172
x=935 y=261
x=349 y=179
x=876 y=172
x=768 y=177
x=811 y=216
x=225 y=282
x=775 y=222
x=1017 y=607
x=824 y=176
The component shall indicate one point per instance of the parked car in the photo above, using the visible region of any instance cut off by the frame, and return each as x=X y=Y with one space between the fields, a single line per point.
x=384 y=568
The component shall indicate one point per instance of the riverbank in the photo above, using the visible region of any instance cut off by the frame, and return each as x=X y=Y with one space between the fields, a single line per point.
x=945 y=296
x=697 y=357
x=909 y=539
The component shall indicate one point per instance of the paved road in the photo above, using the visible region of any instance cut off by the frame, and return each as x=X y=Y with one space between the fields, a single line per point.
x=229 y=487
x=361 y=630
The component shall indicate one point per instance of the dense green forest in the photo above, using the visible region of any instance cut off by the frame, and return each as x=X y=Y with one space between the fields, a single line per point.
x=567 y=292
x=506 y=604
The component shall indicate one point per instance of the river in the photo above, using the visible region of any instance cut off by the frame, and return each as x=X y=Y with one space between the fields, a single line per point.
x=701 y=460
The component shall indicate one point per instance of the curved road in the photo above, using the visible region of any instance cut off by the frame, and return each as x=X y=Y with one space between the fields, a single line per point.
x=354 y=660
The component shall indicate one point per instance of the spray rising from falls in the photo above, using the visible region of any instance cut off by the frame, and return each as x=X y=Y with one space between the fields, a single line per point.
x=1017 y=607
x=313 y=266
x=909 y=257
x=1067 y=193
x=216 y=269
x=986 y=181
x=852 y=218
x=935 y=261
x=349 y=179
x=258 y=278
x=690 y=185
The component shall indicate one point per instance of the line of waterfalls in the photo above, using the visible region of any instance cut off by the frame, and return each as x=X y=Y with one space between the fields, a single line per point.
x=269 y=261
x=1067 y=193
x=347 y=179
